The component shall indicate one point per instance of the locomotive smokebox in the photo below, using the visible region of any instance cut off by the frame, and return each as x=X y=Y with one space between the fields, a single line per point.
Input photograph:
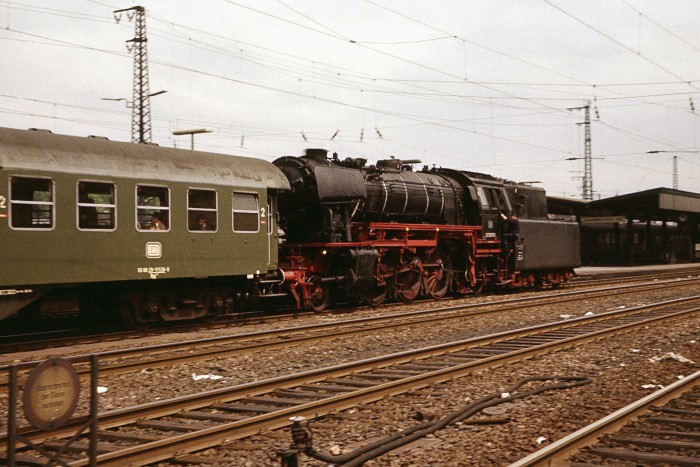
x=320 y=190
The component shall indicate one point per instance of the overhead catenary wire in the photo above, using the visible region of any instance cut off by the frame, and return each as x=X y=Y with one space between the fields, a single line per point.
x=501 y=121
x=660 y=26
x=502 y=97
x=414 y=118
x=612 y=39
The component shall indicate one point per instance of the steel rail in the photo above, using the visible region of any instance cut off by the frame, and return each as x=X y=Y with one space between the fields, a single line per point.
x=283 y=338
x=75 y=340
x=76 y=337
x=235 y=430
x=280 y=338
x=557 y=452
x=153 y=452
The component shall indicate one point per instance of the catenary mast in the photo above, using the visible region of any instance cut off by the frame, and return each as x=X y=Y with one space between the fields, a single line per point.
x=141 y=102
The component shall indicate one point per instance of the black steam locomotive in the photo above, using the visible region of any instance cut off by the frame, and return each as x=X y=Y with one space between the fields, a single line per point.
x=377 y=232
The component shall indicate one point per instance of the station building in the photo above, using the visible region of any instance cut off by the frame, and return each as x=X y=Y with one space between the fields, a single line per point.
x=658 y=226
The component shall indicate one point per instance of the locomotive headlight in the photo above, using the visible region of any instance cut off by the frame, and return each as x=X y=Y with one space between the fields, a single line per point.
x=323 y=252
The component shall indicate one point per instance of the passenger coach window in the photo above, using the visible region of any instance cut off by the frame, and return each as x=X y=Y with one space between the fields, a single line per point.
x=152 y=208
x=96 y=206
x=245 y=212
x=201 y=210
x=31 y=203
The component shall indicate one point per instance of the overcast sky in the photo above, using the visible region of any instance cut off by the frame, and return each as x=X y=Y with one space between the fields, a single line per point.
x=480 y=85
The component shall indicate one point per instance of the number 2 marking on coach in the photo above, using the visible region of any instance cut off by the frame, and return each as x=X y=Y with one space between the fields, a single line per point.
x=262 y=213
x=3 y=202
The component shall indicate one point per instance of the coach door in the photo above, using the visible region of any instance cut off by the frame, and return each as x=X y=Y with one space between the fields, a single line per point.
x=270 y=226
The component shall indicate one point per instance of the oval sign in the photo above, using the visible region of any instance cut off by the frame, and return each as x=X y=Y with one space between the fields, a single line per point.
x=51 y=394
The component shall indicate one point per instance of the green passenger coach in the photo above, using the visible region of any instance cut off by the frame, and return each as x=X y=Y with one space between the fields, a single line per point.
x=90 y=226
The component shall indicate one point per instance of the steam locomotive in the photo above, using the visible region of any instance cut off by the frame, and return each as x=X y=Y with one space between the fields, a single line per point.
x=94 y=228
x=388 y=231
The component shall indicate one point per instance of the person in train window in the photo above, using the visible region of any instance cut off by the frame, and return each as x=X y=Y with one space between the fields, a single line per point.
x=157 y=223
x=203 y=223
x=88 y=215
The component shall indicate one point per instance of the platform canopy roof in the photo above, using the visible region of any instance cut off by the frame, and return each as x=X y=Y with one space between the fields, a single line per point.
x=657 y=201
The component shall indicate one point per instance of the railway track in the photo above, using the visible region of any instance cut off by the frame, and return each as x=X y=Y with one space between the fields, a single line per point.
x=28 y=341
x=661 y=428
x=172 y=428
x=178 y=353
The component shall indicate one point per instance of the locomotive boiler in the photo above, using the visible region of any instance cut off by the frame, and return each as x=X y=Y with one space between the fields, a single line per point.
x=387 y=230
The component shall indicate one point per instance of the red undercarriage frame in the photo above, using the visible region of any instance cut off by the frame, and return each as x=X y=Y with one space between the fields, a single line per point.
x=413 y=259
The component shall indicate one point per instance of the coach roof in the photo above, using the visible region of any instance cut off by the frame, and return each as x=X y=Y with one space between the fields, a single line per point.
x=43 y=151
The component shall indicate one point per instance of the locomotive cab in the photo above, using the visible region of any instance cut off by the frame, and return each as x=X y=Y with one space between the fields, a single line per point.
x=483 y=197
x=492 y=202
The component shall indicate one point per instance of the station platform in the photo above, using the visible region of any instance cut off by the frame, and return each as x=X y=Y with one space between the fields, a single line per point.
x=599 y=270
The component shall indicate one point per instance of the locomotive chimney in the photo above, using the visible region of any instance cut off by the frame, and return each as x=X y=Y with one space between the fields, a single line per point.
x=316 y=153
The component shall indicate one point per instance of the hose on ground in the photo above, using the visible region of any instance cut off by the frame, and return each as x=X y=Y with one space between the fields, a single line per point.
x=377 y=448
